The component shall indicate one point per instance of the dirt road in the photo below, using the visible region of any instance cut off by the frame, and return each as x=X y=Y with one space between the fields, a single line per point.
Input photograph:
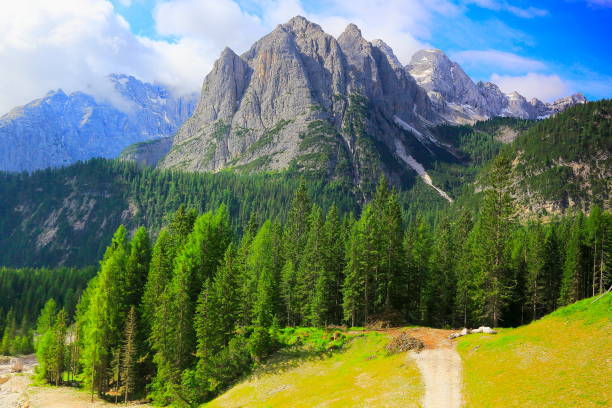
x=440 y=367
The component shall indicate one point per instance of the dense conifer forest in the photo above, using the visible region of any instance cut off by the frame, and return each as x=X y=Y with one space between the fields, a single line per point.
x=207 y=275
x=181 y=318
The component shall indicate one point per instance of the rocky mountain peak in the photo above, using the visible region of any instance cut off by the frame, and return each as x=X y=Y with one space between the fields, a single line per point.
x=300 y=97
x=227 y=53
x=60 y=129
x=388 y=51
x=460 y=100
x=299 y=24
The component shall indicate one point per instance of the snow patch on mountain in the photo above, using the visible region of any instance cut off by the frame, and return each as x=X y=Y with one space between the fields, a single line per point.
x=400 y=150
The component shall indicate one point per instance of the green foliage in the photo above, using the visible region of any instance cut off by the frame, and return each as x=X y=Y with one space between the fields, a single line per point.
x=101 y=194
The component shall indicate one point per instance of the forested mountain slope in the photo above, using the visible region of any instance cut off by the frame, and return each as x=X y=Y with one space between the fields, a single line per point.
x=65 y=215
x=566 y=162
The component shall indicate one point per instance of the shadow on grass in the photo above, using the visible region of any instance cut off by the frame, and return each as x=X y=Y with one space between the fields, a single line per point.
x=294 y=356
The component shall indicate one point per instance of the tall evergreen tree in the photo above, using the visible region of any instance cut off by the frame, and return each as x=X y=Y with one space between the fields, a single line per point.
x=129 y=353
x=333 y=263
x=572 y=283
x=536 y=264
x=296 y=230
x=496 y=222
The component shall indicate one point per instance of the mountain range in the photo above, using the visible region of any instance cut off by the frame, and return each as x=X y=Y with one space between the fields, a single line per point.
x=298 y=98
x=343 y=107
x=60 y=129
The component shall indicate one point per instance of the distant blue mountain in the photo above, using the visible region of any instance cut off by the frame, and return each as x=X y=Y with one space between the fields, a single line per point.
x=60 y=129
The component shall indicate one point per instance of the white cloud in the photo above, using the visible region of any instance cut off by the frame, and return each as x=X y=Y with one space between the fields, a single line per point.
x=501 y=5
x=600 y=3
x=533 y=85
x=73 y=44
x=497 y=60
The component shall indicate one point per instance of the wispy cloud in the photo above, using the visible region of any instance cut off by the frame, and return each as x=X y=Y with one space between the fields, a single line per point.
x=534 y=85
x=501 y=5
x=600 y=3
x=497 y=60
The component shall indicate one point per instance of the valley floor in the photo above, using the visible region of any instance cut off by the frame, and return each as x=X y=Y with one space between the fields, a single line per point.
x=561 y=360
x=18 y=391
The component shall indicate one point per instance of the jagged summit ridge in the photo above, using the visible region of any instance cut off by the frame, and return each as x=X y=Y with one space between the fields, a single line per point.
x=300 y=97
x=60 y=129
x=460 y=100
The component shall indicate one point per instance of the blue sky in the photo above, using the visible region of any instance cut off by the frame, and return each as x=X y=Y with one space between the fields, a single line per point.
x=543 y=49
x=571 y=40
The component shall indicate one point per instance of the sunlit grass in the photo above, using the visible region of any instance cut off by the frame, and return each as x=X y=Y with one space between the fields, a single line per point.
x=562 y=360
x=361 y=375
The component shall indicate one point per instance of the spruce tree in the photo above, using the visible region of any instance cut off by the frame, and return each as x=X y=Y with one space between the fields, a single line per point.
x=56 y=354
x=288 y=290
x=572 y=282
x=496 y=223
x=536 y=263
x=311 y=266
x=296 y=229
x=129 y=353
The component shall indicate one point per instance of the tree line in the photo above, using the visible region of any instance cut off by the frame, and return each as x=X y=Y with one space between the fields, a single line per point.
x=182 y=318
x=23 y=293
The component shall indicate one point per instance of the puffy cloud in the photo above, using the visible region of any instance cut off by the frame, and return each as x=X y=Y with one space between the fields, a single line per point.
x=533 y=85
x=74 y=44
x=497 y=60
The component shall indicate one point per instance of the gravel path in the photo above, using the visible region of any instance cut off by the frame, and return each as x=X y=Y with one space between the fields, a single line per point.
x=440 y=367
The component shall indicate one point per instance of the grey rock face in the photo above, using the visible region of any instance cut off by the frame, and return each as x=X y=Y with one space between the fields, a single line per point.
x=391 y=58
x=454 y=93
x=299 y=97
x=60 y=129
x=563 y=103
x=147 y=153
x=458 y=99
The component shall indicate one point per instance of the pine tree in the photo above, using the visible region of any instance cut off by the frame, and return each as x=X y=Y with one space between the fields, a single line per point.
x=137 y=265
x=288 y=290
x=496 y=221
x=198 y=261
x=333 y=262
x=352 y=287
x=363 y=265
x=260 y=257
x=572 y=283
x=418 y=248
x=536 y=263
x=160 y=273
x=311 y=265
x=56 y=362
x=217 y=310
x=440 y=286
x=47 y=315
x=260 y=342
x=392 y=255
x=296 y=230
x=129 y=353
x=102 y=321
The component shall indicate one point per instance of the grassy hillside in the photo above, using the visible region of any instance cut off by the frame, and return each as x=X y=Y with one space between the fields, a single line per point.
x=561 y=360
x=361 y=375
